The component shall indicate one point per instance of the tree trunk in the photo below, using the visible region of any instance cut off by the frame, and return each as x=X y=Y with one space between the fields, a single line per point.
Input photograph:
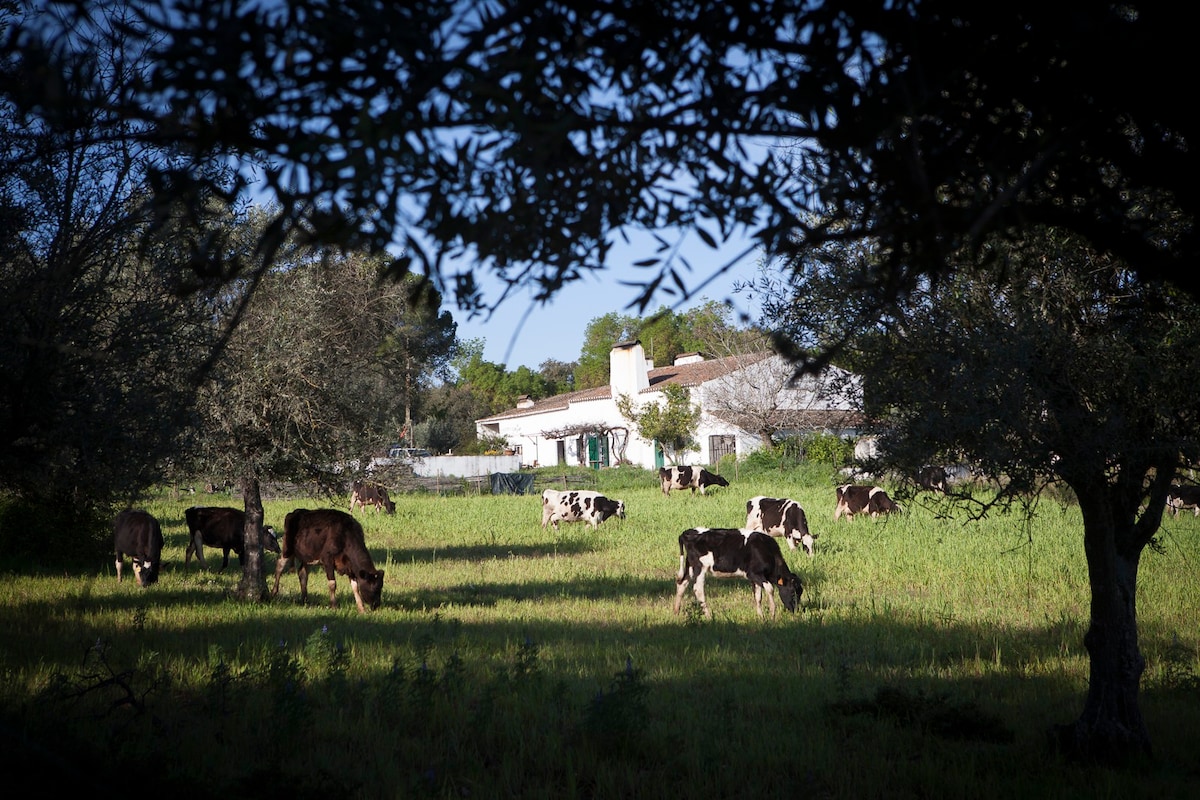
x=253 y=585
x=1111 y=729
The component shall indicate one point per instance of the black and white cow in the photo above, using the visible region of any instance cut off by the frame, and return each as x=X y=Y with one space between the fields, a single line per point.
x=740 y=552
x=138 y=535
x=334 y=539
x=217 y=526
x=579 y=505
x=688 y=478
x=1183 y=497
x=863 y=499
x=778 y=516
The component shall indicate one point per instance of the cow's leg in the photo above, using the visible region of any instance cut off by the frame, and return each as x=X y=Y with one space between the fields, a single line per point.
x=758 y=592
x=225 y=559
x=681 y=582
x=331 y=576
x=770 y=590
x=698 y=588
x=357 y=595
x=195 y=545
x=302 y=574
x=681 y=586
x=280 y=567
x=120 y=563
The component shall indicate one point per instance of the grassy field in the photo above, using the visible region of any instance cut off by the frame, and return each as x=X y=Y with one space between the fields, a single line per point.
x=929 y=659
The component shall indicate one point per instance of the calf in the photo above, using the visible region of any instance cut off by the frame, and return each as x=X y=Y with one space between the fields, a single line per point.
x=776 y=516
x=335 y=540
x=860 y=499
x=1181 y=497
x=735 y=552
x=688 y=478
x=215 y=526
x=138 y=535
x=579 y=506
x=364 y=494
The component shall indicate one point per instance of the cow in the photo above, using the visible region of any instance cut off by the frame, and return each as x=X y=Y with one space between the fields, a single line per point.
x=363 y=494
x=862 y=499
x=334 y=539
x=777 y=516
x=740 y=552
x=688 y=478
x=138 y=534
x=932 y=479
x=216 y=526
x=579 y=505
x=1182 y=497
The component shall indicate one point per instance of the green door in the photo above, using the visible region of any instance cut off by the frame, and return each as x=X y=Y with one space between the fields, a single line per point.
x=597 y=451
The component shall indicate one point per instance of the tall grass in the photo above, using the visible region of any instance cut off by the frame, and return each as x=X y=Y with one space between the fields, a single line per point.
x=929 y=659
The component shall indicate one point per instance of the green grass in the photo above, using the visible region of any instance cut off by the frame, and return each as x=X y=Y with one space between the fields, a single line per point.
x=930 y=658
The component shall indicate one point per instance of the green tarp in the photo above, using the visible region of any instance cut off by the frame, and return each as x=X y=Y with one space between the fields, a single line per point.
x=511 y=483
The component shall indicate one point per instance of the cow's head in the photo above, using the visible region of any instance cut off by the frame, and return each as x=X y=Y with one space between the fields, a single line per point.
x=806 y=540
x=790 y=589
x=145 y=570
x=368 y=584
x=619 y=513
x=270 y=541
x=713 y=479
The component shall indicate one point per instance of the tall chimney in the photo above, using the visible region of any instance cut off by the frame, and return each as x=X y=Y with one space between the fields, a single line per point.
x=627 y=370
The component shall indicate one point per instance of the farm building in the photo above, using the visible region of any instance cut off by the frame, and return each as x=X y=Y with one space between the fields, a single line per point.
x=743 y=400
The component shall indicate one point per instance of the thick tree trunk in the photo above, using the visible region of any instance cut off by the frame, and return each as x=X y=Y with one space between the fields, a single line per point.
x=253 y=585
x=1111 y=728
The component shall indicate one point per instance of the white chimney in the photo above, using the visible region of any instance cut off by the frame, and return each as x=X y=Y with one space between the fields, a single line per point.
x=688 y=358
x=627 y=370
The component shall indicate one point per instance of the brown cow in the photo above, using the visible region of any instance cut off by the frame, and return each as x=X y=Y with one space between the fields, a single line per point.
x=335 y=540
x=363 y=494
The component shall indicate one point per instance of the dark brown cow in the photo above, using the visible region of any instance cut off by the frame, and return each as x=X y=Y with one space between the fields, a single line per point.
x=862 y=499
x=727 y=552
x=688 y=478
x=216 y=526
x=137 y=534
x=363 y=494
x=778 y=516
x=335 y=540
x=932 y=479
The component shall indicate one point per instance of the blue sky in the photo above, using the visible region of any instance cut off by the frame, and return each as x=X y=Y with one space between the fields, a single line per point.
x=556 y=330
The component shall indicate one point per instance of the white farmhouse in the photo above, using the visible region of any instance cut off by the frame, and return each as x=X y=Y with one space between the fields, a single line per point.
x=741 y=400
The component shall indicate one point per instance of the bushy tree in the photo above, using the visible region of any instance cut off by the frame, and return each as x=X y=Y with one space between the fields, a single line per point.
x=672 y=423
x=1061 y=366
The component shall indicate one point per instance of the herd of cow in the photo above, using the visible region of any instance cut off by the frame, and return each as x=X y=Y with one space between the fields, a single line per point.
x=334 y=538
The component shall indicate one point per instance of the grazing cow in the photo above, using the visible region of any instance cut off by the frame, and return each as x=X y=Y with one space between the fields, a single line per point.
x=364 y=494
x=1181 y=497
x=688 y=478
x=138 y=535
x=335 y=540
x=579 y=506
x=932 y=479
x=215 y=526
x=727 y=552
x=859 y=499
x=776 y=516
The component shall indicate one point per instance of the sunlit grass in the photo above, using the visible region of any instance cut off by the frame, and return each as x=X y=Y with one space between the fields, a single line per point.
x=508 y=660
